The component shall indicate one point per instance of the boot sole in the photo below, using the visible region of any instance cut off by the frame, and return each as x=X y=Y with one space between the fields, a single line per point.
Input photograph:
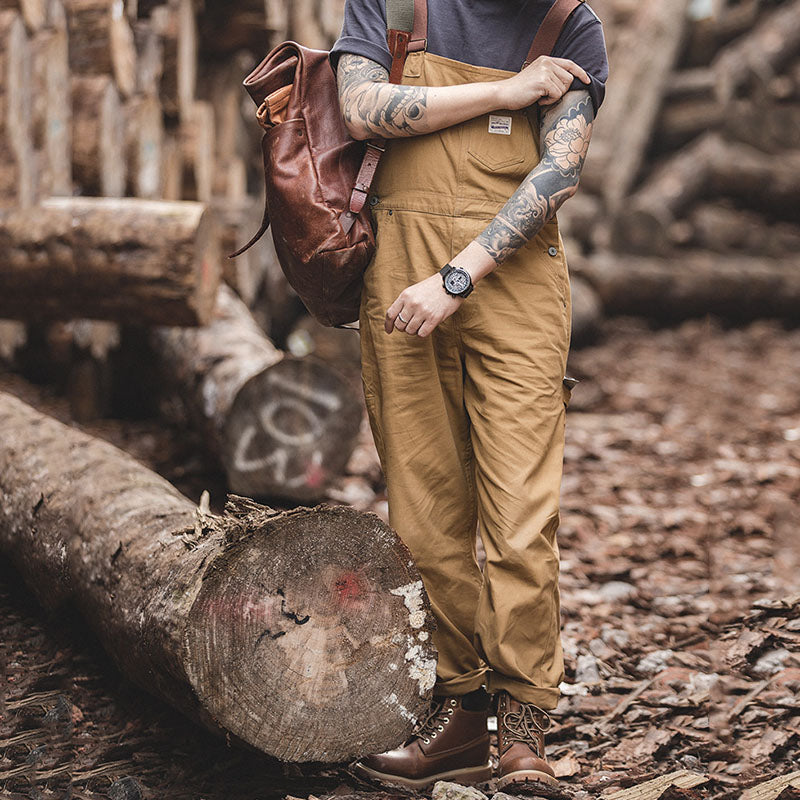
x=470 y=775
x=524 y=775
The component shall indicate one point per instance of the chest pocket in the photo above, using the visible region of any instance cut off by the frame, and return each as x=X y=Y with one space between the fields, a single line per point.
x=502 y=142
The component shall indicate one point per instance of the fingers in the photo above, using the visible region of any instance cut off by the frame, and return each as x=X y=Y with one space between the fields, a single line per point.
x=573 y=69
x=392 y=319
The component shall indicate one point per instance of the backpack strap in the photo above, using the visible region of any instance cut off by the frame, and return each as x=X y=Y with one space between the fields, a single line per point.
x=404 y=20
x=550 y=29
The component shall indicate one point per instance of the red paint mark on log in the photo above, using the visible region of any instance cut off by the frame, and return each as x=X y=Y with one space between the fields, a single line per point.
x=315 y=475
x=349 y=588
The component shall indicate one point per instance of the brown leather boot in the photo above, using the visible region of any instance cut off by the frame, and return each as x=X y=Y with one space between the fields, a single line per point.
x=520 y=738
x=451 y=743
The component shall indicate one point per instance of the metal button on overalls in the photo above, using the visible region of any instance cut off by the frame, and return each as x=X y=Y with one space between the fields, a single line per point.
x=469 y=422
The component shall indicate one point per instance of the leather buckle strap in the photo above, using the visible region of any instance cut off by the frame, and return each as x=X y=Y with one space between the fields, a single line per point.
x=398 y=46
x=550 y=29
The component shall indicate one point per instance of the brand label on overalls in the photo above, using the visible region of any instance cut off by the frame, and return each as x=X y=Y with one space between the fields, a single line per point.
x=499 y=124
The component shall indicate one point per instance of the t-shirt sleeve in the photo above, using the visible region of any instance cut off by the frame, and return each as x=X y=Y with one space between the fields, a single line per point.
x=584 y=43
x=363 y=33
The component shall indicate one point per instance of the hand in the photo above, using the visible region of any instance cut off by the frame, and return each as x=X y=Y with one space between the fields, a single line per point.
x=423 y=306
x=545 y=81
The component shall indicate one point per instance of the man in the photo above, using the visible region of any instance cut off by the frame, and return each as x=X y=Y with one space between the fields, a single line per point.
x=465 y=389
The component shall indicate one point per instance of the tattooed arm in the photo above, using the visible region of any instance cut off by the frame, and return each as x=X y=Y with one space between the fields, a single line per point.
x=565 y=130
x=371 y=106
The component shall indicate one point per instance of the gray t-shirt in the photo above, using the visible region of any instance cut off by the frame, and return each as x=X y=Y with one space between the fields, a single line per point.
x=486 y=33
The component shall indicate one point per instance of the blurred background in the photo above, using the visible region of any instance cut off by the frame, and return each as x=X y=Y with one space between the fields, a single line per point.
x=130 y=147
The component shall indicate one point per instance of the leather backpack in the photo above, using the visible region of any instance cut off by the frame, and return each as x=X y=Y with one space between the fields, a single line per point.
x=317 y=176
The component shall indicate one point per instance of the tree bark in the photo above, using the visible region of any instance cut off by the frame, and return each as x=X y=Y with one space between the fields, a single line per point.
x=693 y=284
x=728 y=230
x=761 y=53
x=17 y=178
x=623 y=132
x=282 y=427
x=304 y=634
x=711 y=167
x=98 y=136
x=128 y=260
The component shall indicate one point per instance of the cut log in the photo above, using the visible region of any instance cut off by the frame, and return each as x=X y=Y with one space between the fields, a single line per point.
x=282 y=427
x=727 y=230
x=765 y=124
x=176 y=23
x=710 y=167
x=198 y=151
x=13 y=335
x=338 y=347
x=245 y=274
x=304 y=24
x=98 y=136
x=101 y=41
x=171 y=167
x=51 y=124
x=278 y=19
x=579 y=218
x=17 y=177
x=149 y=57
x=693 y=284
x=649 y=47
x=275 y=628
x=126 y=260
x=587 y=312
x=145 y=137
x=761 y=54
x=225 y=28
x=684 y=120
x=34 y=12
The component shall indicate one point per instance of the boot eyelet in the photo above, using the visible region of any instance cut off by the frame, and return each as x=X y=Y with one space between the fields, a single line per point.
x=445 y=721
x=449 y=710
x=433 y=735
x=453 y=701
x=427 y=741
x=440 y=728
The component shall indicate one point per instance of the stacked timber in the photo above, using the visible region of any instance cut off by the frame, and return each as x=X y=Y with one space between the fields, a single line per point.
x=690 y=202
x=130 y=165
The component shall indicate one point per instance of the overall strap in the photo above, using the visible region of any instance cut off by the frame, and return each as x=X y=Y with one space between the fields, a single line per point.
x=550 y=29
x=405 y=20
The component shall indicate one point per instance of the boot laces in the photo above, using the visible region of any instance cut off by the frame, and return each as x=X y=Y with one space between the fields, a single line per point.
x=438 y=716
x=527 y=725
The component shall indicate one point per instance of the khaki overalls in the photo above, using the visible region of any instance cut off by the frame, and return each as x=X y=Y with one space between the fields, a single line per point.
x=469 y=422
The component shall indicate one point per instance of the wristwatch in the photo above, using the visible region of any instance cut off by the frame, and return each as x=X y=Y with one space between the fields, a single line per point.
x=457 y=281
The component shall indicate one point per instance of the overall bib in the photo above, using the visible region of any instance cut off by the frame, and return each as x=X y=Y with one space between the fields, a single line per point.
x=469 y=422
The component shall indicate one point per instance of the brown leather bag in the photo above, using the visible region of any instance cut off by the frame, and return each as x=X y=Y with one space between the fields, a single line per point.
x=317 y=176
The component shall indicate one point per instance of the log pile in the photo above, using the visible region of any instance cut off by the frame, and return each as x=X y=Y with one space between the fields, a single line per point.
x=131 y=164
x=689 y=201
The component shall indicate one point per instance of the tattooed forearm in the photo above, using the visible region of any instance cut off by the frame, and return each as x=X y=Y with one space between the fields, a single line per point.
x=373 y=106
x=565 y=131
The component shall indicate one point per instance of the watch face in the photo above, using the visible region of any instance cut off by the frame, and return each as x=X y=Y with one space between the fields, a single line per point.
x=457 y=281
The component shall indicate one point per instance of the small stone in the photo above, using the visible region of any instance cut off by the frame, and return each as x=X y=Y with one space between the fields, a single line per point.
x=587 y=670
x=444 y=790
x=655 y=662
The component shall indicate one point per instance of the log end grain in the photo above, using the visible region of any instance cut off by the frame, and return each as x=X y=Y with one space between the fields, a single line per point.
x=290 y=431
x=311 y=637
